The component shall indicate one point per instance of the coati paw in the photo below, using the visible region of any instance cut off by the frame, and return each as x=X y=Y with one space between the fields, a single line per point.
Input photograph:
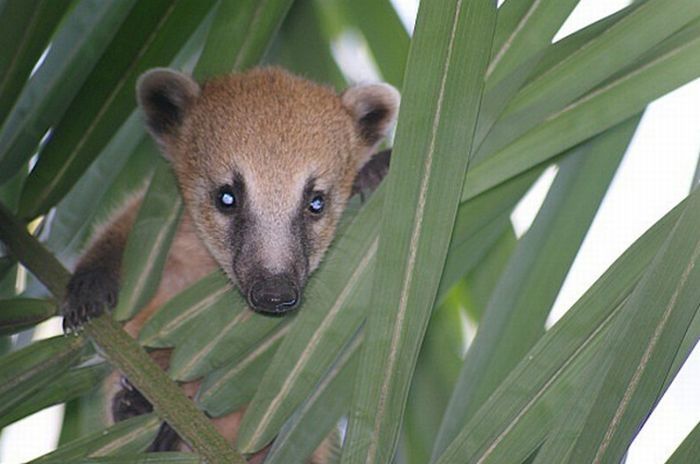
x=88 y=294
x=166 y=440
x=129 y=402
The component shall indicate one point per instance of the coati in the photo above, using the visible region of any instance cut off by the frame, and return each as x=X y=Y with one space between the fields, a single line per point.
x=266 y=162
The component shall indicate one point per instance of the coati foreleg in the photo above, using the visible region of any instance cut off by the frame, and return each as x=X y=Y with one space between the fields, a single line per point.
x=94 y=286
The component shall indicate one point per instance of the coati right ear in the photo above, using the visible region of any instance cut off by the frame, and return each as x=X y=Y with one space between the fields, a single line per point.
x=165 y=95
x=374 y=108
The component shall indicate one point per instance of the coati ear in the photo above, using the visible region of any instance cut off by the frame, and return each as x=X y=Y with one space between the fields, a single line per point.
x=164 y=95
x=374 y=108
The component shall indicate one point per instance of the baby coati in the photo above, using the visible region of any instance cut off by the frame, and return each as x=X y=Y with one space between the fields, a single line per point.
x=266 y=162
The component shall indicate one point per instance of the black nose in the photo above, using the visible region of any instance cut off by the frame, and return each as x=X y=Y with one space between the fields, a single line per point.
x=274 y=295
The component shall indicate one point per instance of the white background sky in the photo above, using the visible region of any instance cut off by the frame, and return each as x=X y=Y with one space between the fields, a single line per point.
x=654 y=176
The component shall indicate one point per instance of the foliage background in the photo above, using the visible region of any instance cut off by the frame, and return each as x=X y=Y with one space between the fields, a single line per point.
x=330 y=21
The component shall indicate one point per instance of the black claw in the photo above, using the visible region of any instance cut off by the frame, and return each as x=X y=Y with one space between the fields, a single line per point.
x=125 y=384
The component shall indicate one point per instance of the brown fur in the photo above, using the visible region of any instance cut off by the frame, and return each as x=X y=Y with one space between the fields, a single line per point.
x=278 y=132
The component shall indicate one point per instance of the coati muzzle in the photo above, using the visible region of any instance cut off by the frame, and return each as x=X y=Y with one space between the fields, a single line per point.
x=274 y=295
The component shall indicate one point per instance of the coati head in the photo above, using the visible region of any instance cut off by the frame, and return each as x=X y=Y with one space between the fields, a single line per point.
x=266 y=162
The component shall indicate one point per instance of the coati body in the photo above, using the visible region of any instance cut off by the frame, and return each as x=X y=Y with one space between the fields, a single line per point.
x=266 y=162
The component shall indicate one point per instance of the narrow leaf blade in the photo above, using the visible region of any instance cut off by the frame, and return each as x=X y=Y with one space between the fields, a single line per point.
x=151 y=35
x=76 y=48
x=599 y=110
x=438 y=116
x=664 y=303
x=63 y=387
x=129 y=436
x=528 y=287
x=20 y=313
x=24 y=372
x=688 y=450
x=153 y=231
x=25 y=28
x=557 y=350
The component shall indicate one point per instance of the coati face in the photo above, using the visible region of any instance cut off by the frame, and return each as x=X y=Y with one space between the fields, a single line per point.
x=266 y=162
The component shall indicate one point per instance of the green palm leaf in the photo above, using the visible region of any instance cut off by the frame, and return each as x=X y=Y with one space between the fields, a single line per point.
x=414 y=238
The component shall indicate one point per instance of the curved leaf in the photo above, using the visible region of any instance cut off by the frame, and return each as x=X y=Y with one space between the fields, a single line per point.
x=385 y=34
x=557 y=350
x=128 y=160
x=24 y=372
x=617 y=100
x=530 y=283
x=153 y=232
x=523 y=32
x=129 y=436
x=302 y=47
x=688 y=450
x=664 y=304
x=150 y=36
x=612 y=50
x=174 y=319
x=162 y=457
x=231 y=387
x=75 y=50
x=63 y=387
x=25 y=30
x=21 y=313
x=222 y=337
x=240 y=35
x=320 y=412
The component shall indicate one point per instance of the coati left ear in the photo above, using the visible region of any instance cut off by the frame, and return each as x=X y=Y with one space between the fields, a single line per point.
x=165 y=96
x=374 y=108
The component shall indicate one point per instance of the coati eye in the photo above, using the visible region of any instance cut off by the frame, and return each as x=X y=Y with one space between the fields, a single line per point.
x=316 y=204
x=225 y=199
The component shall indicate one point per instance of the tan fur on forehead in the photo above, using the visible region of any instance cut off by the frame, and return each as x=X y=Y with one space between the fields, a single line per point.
x=270 y=125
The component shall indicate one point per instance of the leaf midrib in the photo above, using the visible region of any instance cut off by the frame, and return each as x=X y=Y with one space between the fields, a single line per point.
x=153 y=254
x=511 y=38
x=413 y=247
x=212 y=390
x=644 y=361
x=312 y=346
x=188 y=314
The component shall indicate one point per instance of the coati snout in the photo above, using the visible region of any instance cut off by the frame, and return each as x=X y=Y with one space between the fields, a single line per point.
x=266 y=162
x=274 y=295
